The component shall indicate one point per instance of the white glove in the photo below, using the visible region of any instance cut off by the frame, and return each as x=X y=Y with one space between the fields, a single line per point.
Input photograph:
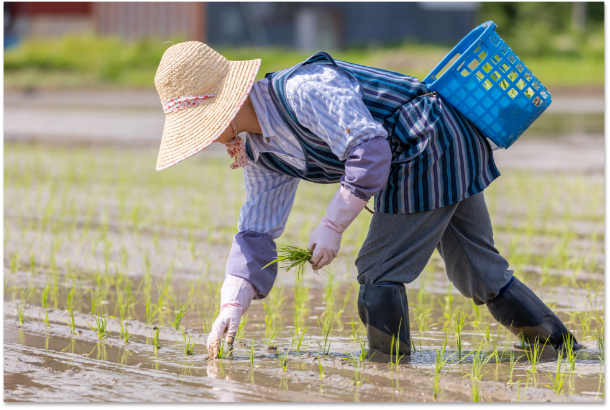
x=236 y=295
x=325 y=240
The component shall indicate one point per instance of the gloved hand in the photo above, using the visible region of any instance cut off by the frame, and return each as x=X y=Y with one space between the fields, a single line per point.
x=326 y=238
x=236 y=295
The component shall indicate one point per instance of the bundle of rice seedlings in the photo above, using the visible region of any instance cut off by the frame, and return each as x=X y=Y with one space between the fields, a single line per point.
x=292 y=257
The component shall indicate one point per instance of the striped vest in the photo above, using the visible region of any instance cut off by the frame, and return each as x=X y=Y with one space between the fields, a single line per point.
x=438 y=156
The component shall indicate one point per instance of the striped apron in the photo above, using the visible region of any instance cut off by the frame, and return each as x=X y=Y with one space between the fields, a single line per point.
x=438 y=156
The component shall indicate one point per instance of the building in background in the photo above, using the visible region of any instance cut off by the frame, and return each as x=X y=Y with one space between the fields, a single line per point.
x=328 y=25
x=303 y=25
x=128 y=20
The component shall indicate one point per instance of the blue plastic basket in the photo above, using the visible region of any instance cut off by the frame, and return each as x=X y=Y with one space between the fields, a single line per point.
x=490 y=86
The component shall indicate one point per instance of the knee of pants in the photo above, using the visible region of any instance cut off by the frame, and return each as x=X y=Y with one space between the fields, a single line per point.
x=481 y=288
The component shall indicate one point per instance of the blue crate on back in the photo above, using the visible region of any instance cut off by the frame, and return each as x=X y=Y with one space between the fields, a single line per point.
x=490 y=86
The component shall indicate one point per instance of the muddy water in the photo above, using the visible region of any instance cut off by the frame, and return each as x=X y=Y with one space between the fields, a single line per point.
x=53 y=364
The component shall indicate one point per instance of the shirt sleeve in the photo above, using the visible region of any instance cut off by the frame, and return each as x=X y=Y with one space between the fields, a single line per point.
x=269 y=199
x=327 y=102
x=367 y=168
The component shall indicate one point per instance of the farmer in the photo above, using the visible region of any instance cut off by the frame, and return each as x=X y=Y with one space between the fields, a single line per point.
x=372 y=132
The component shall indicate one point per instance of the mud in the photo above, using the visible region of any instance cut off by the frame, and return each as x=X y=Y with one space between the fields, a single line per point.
x=53 y=365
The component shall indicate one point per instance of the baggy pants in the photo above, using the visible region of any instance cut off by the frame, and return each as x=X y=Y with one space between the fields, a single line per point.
x=398 y=247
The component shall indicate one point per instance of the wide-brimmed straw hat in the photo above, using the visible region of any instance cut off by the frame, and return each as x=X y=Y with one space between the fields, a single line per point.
x=201 y=92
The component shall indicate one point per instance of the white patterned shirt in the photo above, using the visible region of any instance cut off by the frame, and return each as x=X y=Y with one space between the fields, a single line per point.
x=325 y=100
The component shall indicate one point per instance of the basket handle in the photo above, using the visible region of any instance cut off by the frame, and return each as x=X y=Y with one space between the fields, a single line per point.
x=431 y=78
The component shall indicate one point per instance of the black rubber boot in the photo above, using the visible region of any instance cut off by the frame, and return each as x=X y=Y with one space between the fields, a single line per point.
x=519 y=309
x=384 y=310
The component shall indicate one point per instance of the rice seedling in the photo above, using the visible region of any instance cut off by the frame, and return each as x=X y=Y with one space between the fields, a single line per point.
x=206 y=321
x=601 y=379
x=356 y=360
x=240 y=329
x=440 y=361
x=297 y=335
x=533 y=351
x=93 y=300
x=395 y=347
x=44 y=298
x=421 y=319
x=124 y=334
x=495 y=341
x=511 y=367
x=571 y=356
x=22 y=305
x=251 y=353
x=156 y=343
x=274 y=333
x=179 y=310
x=459 y=322
x=301 y=302
x=486 y=332
x=599 y=339
x=559 y=379
x=355 y=336
x=478 y=365
x=326 y=325
x=448 y=305
x=189 y=346
x=149 y=311
x=292 y=257
x=284 y=359
x=101 y=324
x=522 y=342
x=339 y=313
x=14 y=267
x=585 y=321
x=321 y=367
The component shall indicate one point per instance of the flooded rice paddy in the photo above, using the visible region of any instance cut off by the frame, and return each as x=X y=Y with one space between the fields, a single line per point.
x=97 y=235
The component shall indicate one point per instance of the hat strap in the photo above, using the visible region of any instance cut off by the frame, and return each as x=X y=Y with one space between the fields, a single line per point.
x=179 y=103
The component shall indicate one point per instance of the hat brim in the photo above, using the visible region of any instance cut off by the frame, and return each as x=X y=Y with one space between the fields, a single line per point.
x=190 y=130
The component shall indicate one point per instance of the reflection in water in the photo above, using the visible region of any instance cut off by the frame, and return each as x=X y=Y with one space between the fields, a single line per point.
x=156 y=362
x=284 y=384
x=186 y=370
x=21 y=337
x=125 y=356
x=71 y=346
x=101 y=352
x=216 y=370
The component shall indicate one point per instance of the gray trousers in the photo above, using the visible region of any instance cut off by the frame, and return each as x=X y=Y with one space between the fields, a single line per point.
x=398 y=247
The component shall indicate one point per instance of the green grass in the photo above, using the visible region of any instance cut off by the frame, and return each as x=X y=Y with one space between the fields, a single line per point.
x=86 y=61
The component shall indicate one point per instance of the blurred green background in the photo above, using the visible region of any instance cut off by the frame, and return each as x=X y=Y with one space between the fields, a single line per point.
x=560 y=51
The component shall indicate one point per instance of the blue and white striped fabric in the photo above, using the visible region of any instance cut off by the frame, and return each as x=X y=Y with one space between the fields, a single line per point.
x=326 y=101
x=438 y=156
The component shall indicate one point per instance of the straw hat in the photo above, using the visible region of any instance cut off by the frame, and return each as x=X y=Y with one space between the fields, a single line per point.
x=201 y=92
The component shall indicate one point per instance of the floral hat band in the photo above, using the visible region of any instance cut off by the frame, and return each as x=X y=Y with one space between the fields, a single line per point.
x=179 y=103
